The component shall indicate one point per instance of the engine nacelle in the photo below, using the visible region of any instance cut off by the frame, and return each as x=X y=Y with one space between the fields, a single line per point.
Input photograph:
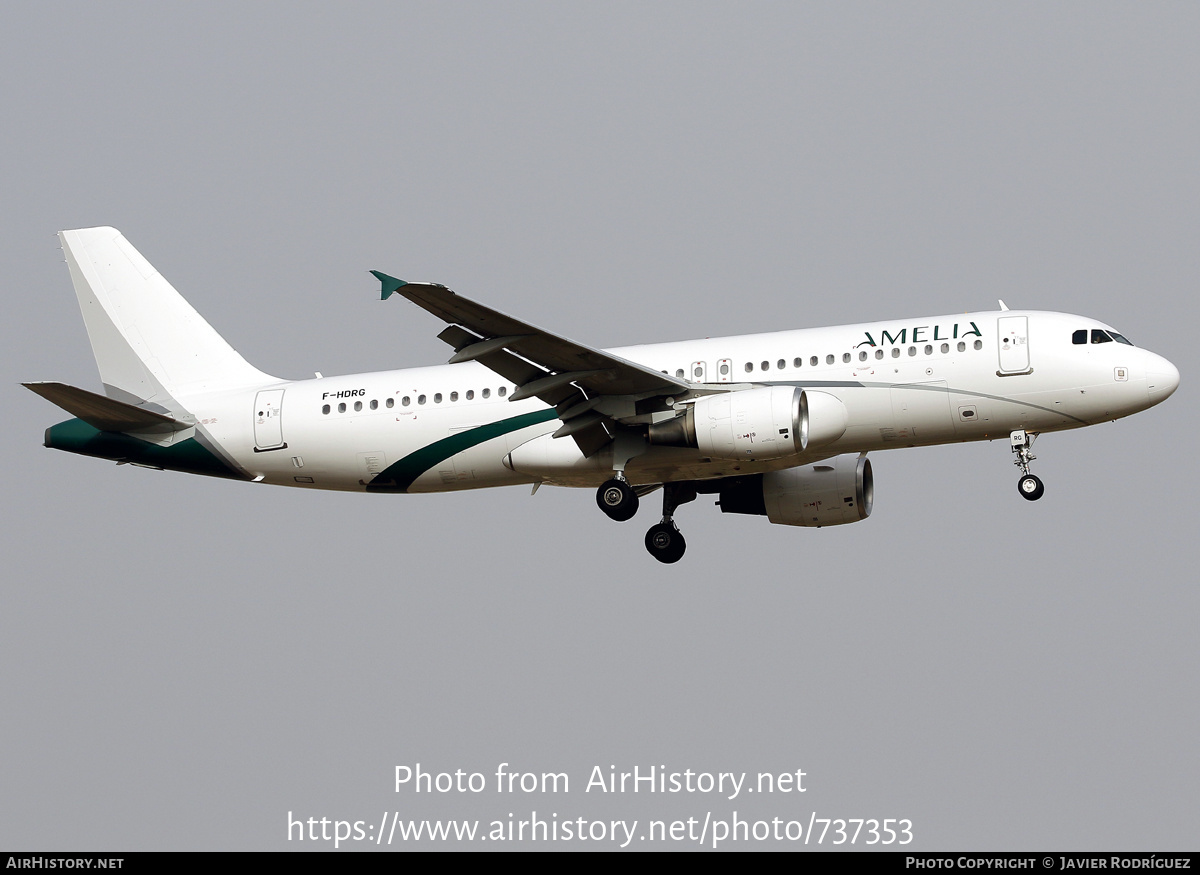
x=830 y=493
x=754 y=424
x=769 y=422
x=824 y=419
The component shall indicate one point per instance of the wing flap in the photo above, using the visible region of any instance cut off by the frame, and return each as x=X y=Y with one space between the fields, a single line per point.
x=557 y=371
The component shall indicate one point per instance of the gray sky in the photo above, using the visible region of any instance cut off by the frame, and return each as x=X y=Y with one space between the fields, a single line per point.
x=187 y=660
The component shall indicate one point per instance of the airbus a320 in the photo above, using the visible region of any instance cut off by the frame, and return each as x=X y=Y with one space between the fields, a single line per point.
x=777 y=424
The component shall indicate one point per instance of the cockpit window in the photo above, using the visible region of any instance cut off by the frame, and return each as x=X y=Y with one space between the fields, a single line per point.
x=1100 y=336
x=1118 y=338
x=1079 y=336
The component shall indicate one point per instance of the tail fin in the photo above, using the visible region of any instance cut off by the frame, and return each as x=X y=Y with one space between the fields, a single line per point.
x=150 y=345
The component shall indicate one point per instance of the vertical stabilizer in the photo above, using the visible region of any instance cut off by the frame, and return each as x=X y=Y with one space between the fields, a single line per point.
x=149 y=343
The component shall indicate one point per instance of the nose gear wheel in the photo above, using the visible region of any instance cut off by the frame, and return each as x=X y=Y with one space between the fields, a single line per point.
x=1030 y=486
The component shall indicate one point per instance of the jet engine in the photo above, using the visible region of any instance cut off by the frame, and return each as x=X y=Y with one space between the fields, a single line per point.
x=769 y=422
x=833 y=492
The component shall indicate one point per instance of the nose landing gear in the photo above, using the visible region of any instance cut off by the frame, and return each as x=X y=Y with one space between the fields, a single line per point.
x=664 y=541
x=1030 y=486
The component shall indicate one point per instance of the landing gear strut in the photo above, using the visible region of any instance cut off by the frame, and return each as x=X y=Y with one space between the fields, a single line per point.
x=617 y=499
x=1030 y=486
x=664 y=540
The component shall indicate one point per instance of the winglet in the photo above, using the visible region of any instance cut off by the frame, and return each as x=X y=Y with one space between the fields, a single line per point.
x=390 y=284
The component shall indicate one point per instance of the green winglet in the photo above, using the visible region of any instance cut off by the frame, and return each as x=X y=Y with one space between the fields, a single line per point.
x=390 y=284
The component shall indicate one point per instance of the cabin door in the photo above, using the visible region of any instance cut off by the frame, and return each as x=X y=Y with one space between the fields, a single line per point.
x=268 y=422
x=1013 y=342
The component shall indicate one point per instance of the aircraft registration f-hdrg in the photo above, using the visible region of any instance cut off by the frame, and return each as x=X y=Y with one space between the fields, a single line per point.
x=775 y=424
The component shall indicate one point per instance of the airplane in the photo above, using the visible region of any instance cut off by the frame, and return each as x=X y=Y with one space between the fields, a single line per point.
x=776 y=425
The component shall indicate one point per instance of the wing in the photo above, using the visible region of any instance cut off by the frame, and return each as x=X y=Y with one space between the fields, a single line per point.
x=574 y=378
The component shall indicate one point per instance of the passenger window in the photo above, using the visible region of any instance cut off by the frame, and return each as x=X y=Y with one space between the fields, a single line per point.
x=749 y=367
x=1079 y=336
x=797 y=362
x=912 y=350
x=962 y=347
x=862 y=356
x=879 y=353
x=766 y=366
x=374 y=404
x=929 y=349
x=325 y=409
x=845 y=356
x=390 y=403
x=813 y=361
x=698 y=371
x=437 y=397
x=781 y=364
x=357 y=406
x=979 y=344
x=502 y=391
x=1099 y=336
x=470 y=394
x=406 y=401
x=829 y=359
x=487 y=393
x=895 y=352
x=724 y=369
x=945 y=348
x=453 y=396
x=342 y=407
x=679 y=373
x=420 y=399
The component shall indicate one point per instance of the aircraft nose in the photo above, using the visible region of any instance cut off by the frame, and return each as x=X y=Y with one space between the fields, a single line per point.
x=1162 y=378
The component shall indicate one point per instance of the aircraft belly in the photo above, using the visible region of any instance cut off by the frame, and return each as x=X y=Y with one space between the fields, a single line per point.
x=446 y=478
x=921 y=413
x=469 y=456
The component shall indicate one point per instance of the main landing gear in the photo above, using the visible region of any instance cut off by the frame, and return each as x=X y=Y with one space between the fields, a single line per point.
x=664 y=541
x=617 y=499
x=1030 y=486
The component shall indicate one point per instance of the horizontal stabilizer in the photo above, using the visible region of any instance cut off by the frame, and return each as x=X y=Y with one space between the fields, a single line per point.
x=105 y=414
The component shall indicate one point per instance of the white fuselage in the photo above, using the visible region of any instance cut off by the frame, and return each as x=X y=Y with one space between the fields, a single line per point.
x=904 y=383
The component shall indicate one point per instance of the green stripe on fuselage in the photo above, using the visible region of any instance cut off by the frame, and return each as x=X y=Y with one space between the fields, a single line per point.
x=190 y=456
x=398 y=476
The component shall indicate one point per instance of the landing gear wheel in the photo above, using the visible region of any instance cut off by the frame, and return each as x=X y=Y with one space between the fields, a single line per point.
x=1030 y=487
x=617 y=499
x=665 y=543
